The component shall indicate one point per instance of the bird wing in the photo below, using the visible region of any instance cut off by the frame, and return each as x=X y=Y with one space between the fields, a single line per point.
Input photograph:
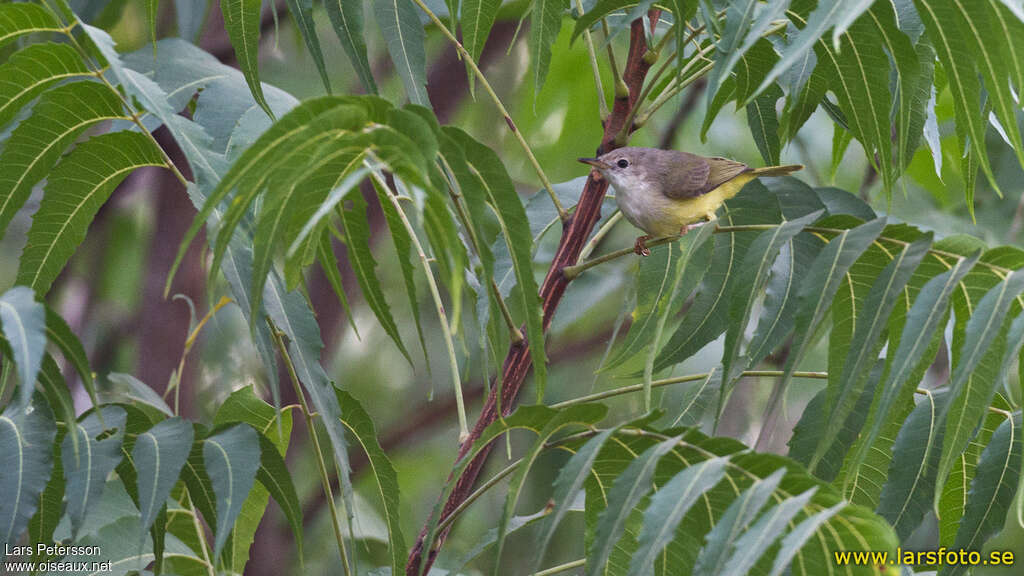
x=695 y=175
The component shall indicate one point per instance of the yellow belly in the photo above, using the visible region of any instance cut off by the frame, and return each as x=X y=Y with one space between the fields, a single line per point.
x=678 y=213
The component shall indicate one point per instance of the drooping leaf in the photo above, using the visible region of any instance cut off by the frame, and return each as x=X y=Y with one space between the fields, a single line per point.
x=358 y=421
x=764 y=124
x=302 y=12
x=26 y=459
x=347 y=20
x=242 y=23
x=545 y=24
x=57 y=120
x=74 y=192
x=477 y=18
x=159 y=455
x=797 y=537
x=30 y=71
x=763 y=534
x=400 y=24
x=59 y=333
x=87 y=471
x=232 y=460
x=23 y=321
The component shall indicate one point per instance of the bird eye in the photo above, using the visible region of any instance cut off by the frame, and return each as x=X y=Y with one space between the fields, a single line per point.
x=623 y=163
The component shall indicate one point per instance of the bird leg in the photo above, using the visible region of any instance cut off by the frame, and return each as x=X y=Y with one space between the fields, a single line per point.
x=640 y=246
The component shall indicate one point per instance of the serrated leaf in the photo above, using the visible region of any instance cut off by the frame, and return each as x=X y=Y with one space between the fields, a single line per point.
x=927 y=314
x=347 y=20
x=400 y=25
x=86 y=472
x=489 y=176
x=545 y=24
x=667 y=508
x=242 y=23
x=477 y=18
x=567 y=484
x=302 y=12
x=764 y=124
x=867 y=339
x=992 y=489
x=21 y=18
x=359 y=422
x=795 y=540
x=733 y=523
x=26 y=459
x=763 y=534
x=59 y=333
x=32 y=70
x=232 y=460
x=939 y=18
x=580 y=414
x=74 y=192
x=626 y=493
x=23 y=321
x=35 y=146
x=159 y=455
x=970 y=391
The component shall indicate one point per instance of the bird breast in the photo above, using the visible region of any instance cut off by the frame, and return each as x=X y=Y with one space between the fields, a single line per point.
x=644 y=207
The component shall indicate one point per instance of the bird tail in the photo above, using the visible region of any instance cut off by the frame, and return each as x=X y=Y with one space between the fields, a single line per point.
x=778 y=170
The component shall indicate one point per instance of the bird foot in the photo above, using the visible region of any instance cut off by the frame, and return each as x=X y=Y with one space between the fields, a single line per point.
x=640 y=246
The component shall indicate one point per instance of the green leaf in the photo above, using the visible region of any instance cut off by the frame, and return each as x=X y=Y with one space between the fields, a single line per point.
x=567 y=485
x=159 y=455
x=992 y=489
x=24 y=327
x=329 y=263
x=403 y=247
x=231 y=459
x=58 y=119
x=347 y=20
x=302 y=12
x=916 y=346
x=734 y=522
x=626 y=493
x=490 y=176
x=545 y=24
x=59 y=333
x=764 y=124
x=356 y=228
x=940 y=19
x=477 y=18
x=796 y=538
x=242 y=22
x=756 y=541
x=18 y=19
x=86 y=472
x=359 y=422
x=668 y=506
x=971 y=392
x=750 y=279
x=825 y=15
x=821 y=284
x=74 y=192
x=580 y=414
x=51 y=503
x=26 y=459
x=30 y=71
x=399 y=23
x=867 y=340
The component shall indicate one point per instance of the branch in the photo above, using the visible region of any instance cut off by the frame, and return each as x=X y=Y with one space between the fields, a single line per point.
x=576 y=229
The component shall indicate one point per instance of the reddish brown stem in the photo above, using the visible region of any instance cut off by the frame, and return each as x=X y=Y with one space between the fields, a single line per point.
x=575 y=231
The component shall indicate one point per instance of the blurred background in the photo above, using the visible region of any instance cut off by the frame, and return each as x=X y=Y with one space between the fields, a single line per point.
x=111 y=292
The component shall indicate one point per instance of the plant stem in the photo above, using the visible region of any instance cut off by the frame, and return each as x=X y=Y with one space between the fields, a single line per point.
x=562 y=567
x=497 y=102
x=601 y=233
x=678 y=380
x=491 y=482
x=616 y=77
x=589 y=41
x=453 y=363
x=325 y=481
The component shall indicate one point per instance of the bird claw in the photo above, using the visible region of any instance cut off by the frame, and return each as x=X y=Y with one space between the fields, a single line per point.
x=640 y=246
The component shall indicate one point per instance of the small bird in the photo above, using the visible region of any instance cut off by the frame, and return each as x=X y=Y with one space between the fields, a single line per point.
x=663 y=192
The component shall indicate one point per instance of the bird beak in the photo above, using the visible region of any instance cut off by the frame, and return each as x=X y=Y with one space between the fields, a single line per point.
x=595 y=163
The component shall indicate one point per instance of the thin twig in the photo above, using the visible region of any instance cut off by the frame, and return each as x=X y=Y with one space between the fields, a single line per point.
x=589 y=41
x=562 y=567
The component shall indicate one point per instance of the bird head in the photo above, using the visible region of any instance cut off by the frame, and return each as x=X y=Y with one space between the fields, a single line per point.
x=624 y=168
